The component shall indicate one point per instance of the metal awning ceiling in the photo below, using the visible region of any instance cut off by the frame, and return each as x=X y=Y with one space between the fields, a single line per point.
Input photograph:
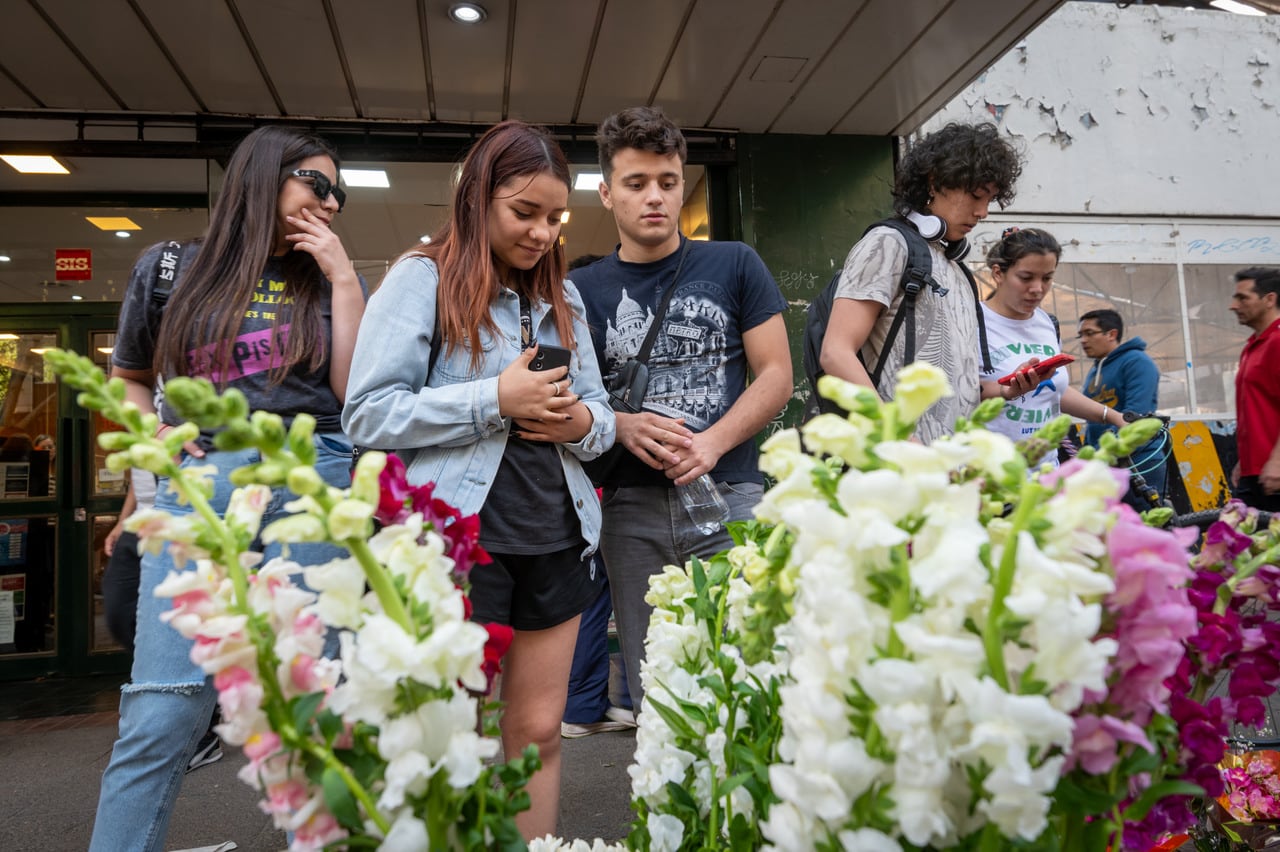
x=878 y=67
x=131 y=94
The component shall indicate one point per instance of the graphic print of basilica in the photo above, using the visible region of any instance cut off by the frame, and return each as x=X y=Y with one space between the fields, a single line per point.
x=686 y=366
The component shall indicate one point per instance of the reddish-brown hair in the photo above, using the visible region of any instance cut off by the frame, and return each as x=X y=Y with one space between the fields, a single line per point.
x=507 y=153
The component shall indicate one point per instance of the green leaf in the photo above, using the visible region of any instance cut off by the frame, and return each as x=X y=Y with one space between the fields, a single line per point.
x=1089 y=800
x=1176 y=787
x=674 y=720
x=340 y=801
x=303 y=709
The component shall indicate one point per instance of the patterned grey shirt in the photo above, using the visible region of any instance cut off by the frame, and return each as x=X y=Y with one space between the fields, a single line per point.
x=946 y=326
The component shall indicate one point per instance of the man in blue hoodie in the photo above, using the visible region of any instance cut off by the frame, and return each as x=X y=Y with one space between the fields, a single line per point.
x=1123 y=377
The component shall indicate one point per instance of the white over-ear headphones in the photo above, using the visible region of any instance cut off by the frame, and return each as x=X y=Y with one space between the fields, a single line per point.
x=930 y=227
x=934 y=229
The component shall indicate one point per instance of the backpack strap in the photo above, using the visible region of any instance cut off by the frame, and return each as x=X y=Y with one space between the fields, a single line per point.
x=172 y=261
x=916 y=276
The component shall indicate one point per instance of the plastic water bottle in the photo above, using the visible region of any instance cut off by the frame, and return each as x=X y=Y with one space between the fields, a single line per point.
x=701 y=499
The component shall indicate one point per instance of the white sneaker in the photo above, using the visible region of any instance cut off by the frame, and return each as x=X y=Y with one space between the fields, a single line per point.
x=622 y=715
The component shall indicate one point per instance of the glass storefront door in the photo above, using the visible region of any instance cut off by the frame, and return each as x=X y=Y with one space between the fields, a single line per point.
x=58 y=501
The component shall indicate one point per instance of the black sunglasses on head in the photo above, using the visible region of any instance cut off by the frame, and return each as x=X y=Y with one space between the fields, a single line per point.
x=321 y=187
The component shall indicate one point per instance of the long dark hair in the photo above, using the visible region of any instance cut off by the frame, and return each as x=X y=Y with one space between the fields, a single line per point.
x=468 y=281
x=208 y=305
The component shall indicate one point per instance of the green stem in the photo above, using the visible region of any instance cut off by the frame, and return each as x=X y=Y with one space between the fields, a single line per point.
x=991 y=633
x=325 y=756
x=379 y=579
x=899 y=600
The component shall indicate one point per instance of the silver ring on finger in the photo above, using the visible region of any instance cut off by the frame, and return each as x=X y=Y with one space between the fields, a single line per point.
x=556 y=385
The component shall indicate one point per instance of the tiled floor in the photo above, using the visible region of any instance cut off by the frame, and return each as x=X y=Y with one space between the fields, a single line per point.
x=49 y=704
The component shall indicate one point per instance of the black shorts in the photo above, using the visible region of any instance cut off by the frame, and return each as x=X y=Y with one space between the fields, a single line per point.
x=533 y=592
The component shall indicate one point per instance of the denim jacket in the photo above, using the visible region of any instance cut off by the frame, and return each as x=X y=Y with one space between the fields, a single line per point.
x=445 y=425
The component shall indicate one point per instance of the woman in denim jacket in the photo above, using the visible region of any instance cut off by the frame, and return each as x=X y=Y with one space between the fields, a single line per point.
x=497 y=437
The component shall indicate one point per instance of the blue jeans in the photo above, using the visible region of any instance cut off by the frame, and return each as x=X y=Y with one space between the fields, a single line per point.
x=165 y=708
x=644 y=529
x=589 y=676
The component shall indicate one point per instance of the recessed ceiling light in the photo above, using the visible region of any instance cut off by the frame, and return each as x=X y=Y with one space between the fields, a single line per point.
x=76 y=297
x=35 y=164
x=365 y=177
x=564 y=218
x=4 y=258
x=589 y=181
x=1237 y=8
x=425 y=238
x=113 y=223
x=123 y=234
x=467 y=13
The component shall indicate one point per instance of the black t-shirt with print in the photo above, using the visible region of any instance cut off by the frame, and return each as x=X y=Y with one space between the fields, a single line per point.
x=698 y=367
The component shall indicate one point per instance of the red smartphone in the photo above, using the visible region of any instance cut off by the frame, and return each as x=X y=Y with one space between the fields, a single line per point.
x=1047 y=367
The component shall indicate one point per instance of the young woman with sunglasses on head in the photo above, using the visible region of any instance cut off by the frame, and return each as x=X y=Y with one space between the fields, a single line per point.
x=1020 y=334
x=497 y=437
x=268 y=304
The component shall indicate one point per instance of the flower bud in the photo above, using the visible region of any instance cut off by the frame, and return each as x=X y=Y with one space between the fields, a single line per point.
x=303 y=480
x=113 y=441
x=364 y=485
x=850 y=397
x=350 y=519
x=270 y=428
x=988 y=410
x=295 y=529
x=147 y=456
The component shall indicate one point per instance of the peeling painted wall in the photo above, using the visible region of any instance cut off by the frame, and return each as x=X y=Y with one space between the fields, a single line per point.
x=1142 y=111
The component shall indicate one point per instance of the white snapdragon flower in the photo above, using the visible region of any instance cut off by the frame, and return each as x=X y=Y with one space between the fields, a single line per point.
x=867 y=840
x=665 y=833
x=340 y=584
x=843 y=437
x=1019 y=802
x=919 y=386
x=407 y=834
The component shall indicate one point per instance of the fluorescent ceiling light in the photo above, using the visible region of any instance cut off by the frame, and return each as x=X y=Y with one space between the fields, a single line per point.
x=564 y=218
x=8 y=336
x=4 y=258
x=35 y=164
x=106 y=350
x=1237 y=8
x=588 y=180
x=113 y=223
x=42 y=351
x=75 y=297
x=365 y=177
x=467 y=13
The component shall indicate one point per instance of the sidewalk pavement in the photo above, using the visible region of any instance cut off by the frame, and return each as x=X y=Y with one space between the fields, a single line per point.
x=53 y=767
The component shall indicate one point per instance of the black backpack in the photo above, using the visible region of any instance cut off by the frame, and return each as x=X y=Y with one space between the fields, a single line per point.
x=916 y=276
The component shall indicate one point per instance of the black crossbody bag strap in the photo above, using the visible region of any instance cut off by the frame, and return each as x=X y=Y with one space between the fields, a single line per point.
x=647 y=346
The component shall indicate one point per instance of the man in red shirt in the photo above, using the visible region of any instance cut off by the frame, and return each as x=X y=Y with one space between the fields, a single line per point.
x=1257 y=474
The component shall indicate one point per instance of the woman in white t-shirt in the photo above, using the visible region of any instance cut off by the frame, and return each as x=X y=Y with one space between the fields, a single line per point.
x=1020 y=334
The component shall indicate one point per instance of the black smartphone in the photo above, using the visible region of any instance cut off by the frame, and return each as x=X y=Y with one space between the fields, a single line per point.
x=549 y=357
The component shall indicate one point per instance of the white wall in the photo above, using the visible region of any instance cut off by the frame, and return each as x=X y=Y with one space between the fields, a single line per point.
x=1138 y=112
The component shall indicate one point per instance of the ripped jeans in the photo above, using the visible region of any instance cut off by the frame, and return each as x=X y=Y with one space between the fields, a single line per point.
x=165 y=707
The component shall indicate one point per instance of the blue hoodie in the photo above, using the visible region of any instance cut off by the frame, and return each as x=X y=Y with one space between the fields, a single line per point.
x=1126 y=380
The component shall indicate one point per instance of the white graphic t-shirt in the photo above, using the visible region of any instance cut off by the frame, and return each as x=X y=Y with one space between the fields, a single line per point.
x=1010 y=343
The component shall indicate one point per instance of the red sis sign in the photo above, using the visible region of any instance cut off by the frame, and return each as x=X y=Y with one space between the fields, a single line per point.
x=72 y=264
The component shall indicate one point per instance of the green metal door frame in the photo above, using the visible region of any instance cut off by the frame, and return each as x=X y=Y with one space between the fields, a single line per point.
x=73 y=505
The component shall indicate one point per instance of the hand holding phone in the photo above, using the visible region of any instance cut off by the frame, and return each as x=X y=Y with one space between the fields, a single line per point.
x=548 y=357
x=1047 y=367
